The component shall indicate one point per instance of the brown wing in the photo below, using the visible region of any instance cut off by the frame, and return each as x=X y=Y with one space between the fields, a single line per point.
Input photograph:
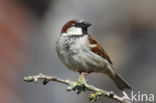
x=97 y=49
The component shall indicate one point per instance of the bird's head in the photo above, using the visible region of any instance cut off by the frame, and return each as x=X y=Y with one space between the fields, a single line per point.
x=75 y=27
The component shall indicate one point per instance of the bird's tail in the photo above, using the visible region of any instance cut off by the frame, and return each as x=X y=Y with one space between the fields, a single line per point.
x=120 y=82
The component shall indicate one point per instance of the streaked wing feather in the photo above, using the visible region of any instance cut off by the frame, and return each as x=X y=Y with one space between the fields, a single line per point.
x=97 y=49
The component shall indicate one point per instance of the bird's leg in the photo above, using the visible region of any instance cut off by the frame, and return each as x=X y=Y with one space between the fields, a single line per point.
x=81 y=79
x=81 y=82
x=84 y=73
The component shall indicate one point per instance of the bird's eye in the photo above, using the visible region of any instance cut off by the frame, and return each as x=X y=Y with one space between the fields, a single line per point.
x=77 y=24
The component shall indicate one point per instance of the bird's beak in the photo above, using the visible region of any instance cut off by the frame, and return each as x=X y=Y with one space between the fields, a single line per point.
x=86 y=24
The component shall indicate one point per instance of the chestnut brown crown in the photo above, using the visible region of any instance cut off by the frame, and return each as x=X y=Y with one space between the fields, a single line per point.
x=75 y=23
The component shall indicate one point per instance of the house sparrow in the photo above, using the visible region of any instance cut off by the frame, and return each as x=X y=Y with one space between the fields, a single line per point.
x=80 y=52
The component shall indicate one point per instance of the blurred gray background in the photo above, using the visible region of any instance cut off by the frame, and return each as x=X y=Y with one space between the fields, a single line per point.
x=30 y=28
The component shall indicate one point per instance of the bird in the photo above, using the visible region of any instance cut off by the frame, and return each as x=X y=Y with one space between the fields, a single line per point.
x=80 y=52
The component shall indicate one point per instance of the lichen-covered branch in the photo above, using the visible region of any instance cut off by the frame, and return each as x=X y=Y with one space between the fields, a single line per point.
x=79 y=86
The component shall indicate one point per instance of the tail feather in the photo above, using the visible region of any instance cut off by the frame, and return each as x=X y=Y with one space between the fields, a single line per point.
x=120 y=82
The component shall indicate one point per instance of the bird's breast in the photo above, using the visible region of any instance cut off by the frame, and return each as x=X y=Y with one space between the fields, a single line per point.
x=76 y=55
x=69 y=49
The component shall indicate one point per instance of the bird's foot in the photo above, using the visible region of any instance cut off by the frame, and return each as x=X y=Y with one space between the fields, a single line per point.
x=84 y=73
x=81 y=82
x=79 y=86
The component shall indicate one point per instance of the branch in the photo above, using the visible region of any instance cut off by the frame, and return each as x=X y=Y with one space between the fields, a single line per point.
x=79 y=86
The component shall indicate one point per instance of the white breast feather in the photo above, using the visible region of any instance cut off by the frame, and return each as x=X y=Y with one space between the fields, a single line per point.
x=80 y=58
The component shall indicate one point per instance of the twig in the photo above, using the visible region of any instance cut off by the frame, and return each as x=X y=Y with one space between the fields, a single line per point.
x=78 y=86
